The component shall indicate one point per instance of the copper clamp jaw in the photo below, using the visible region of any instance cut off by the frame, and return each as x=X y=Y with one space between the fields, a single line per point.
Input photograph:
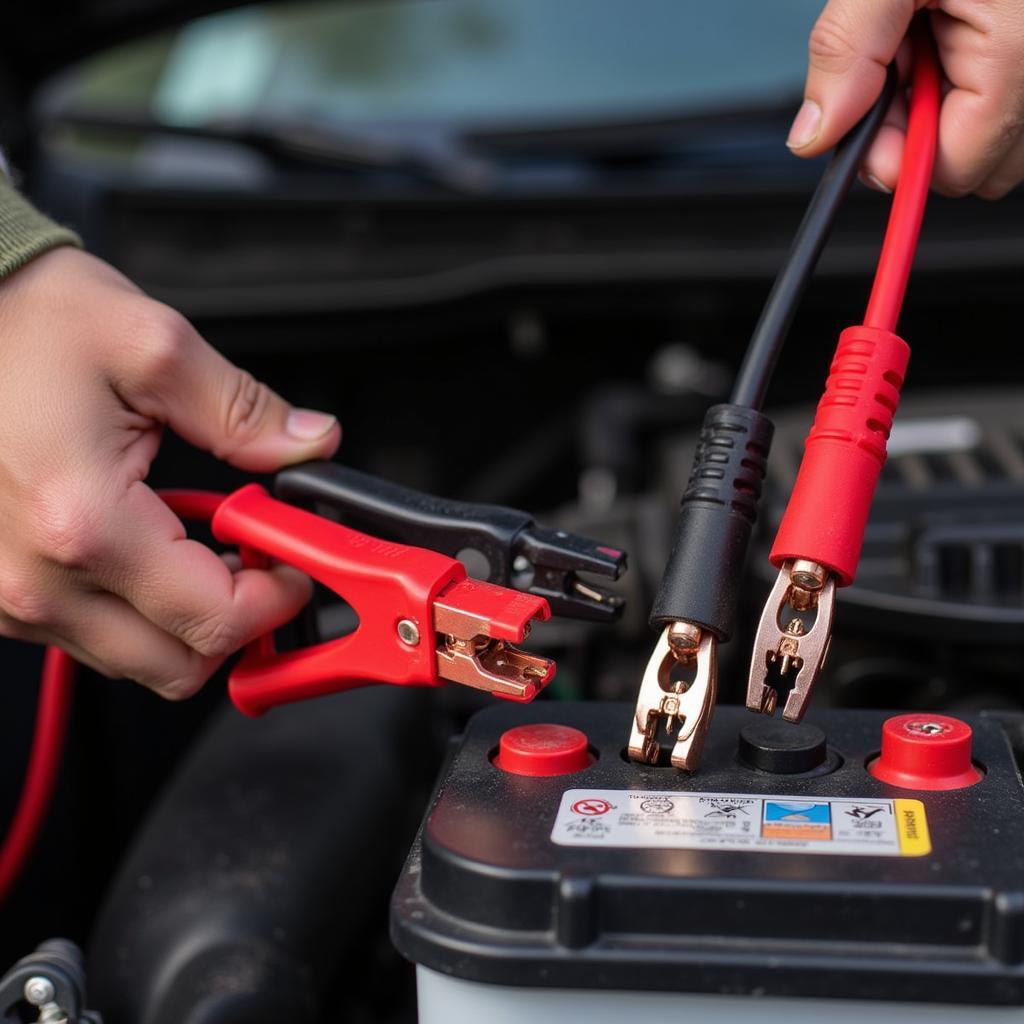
x=468 y=652
x=684 y=710
x=784 y=642
x=494 y=666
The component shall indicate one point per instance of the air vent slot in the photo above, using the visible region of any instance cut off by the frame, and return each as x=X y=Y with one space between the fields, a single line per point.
x=974 y=561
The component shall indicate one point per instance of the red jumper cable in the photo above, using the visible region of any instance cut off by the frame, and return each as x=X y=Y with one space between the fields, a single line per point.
x=54 y=708
x=422 y=622
x=819 y=540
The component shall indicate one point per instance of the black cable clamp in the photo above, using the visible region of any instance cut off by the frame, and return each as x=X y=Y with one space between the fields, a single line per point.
x=516 y=552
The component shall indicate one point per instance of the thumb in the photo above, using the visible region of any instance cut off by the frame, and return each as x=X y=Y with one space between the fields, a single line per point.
x=850 y=47
x=211 y=403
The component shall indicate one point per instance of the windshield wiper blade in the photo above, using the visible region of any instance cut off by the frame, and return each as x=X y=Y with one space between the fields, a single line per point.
x=303 y=140
x=599 y=136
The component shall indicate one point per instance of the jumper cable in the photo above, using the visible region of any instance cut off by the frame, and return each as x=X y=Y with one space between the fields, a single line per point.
x=695 y=606
x=422 y=621
x=819 y=540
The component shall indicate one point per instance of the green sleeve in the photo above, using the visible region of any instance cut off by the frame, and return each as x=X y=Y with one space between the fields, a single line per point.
x=24 y=232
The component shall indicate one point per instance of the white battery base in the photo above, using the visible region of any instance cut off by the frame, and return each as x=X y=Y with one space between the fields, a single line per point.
x=447 y=1000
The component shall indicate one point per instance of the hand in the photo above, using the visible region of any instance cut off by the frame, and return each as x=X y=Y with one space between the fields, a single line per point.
x=981 y=50
x=90 y=558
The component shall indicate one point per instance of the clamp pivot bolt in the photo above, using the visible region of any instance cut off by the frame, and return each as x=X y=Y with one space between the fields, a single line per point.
x=39 y=990
x=408 y=632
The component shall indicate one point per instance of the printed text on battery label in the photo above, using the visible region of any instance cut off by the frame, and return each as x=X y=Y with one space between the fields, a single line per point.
x=739 y=821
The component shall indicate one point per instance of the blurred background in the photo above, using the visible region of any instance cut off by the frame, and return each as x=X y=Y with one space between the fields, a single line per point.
x=518 y=246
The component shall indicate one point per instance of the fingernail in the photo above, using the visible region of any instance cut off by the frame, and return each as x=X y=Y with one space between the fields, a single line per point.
x=232 y=561
x=308 y=424
x=872 y=182
x=806 y=125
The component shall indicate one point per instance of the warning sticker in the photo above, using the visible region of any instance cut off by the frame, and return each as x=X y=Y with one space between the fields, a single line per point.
x=789 y=820
x=738 y=821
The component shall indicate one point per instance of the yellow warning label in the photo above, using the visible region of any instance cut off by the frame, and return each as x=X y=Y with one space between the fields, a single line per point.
x=912 y=828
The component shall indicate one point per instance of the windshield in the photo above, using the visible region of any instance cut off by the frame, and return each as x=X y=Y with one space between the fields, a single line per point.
x=469 y=63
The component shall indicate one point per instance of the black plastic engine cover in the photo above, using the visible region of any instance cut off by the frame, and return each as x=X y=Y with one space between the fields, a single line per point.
x=253 y=892
x=933 y=913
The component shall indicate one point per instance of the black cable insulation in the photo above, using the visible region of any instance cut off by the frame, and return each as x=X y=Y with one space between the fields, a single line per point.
x=770 y=333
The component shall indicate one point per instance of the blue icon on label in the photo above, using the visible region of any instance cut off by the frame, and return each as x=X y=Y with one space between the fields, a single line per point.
x=797 y=813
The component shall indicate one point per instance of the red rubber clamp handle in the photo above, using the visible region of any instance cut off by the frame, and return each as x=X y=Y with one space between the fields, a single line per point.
x=844 y=454
x=384 y=582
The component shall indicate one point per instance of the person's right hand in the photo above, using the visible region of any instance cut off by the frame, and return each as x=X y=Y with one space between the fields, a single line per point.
x=981 y=50
x=90 y=558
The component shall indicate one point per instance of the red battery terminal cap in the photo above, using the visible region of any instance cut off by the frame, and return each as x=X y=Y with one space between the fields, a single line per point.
x=543 y=749
x=922 y=751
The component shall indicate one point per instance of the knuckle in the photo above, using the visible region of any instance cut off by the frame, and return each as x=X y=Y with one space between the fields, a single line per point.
x=246 y=404
x=951 y=187
x=979 y=163
x=212 y=636
x=68 y=529
x=1001 y=158
x=993 y=189
x=23 y=603
x=179 y=684
x=1009 y=132
x=164 y=337
x=830 y=45
x=12 y=629
x=178 y=687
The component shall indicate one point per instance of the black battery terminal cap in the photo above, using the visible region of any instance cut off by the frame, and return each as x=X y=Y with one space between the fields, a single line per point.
x=780 y=748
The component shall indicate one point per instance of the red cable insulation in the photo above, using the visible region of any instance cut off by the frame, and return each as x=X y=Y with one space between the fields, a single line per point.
x=195 y=505
x=52 y=714
x=908 y=203
x=54 y=709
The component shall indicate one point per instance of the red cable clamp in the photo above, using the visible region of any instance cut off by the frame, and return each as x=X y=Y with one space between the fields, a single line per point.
x=819 y=540
x=828 y=510
x=422 y=622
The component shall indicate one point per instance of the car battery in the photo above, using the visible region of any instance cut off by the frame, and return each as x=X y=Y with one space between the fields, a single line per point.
x=859 y=863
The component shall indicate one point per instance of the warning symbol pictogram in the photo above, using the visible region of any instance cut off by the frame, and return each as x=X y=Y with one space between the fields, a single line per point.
x=591 y=807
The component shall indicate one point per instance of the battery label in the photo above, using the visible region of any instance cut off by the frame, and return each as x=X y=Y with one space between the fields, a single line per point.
x=739 y=821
